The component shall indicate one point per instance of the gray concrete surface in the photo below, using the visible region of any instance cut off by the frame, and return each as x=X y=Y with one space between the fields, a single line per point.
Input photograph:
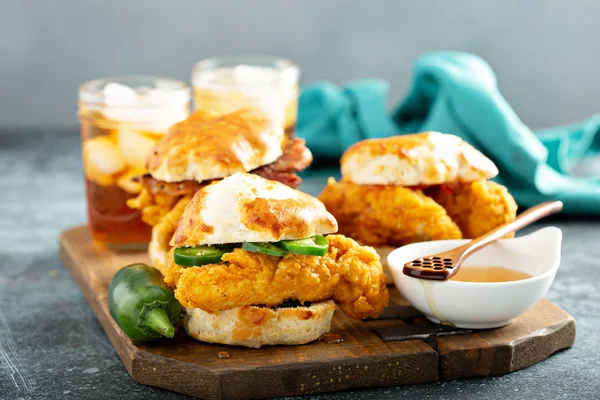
x=545 y=52
x=52 y=347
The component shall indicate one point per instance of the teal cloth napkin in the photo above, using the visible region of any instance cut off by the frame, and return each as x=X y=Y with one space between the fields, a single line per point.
x=457 y=93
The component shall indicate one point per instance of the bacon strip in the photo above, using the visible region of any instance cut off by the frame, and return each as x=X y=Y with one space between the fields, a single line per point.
x=173 y=189
x=287 y=178
x=296 y=157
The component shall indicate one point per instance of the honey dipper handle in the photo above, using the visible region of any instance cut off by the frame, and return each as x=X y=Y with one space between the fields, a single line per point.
x=525 y=218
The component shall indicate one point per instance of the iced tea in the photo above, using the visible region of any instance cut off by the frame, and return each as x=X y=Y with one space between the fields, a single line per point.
x=266 y=84
x=121 y=120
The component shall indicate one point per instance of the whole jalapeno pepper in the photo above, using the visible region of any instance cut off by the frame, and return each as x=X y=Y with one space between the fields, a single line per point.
x=141 y=303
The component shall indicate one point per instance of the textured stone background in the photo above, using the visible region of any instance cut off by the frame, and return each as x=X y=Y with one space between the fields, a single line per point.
x=52 y=347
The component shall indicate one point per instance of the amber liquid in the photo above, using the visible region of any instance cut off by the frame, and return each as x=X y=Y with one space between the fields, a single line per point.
x=488 y=274
x=110 y=220
x=225 y=102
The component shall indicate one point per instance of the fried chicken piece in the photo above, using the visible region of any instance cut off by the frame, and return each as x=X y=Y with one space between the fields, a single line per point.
x=349 y=274
x=378 y=215
x=162 y=233
x=153 y=207
x=476 y=207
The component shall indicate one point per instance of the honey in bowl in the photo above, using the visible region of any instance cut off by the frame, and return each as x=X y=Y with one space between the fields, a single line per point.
x=488 y=274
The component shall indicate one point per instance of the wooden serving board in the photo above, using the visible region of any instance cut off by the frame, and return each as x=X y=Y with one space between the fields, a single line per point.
x=361 y=360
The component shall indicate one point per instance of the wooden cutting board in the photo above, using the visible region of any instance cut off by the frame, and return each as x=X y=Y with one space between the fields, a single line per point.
x=363 y=359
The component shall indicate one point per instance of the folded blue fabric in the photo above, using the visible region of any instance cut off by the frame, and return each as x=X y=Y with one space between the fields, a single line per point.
x=457 y=93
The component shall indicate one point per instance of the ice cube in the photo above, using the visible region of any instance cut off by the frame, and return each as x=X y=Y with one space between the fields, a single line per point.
x=119 y=94
x=103 y=155
x=156 y=96
x=134 y=146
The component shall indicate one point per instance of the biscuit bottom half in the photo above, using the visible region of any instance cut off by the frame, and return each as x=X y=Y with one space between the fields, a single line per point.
x=256 y=326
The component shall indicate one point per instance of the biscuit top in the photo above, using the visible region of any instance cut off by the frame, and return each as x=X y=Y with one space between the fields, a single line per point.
x=246 y=207
x=209 y=146
x=428 y=158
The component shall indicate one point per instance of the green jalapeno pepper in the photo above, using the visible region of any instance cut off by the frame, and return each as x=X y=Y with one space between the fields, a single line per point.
x=264 y=248
x=200 y=255
x=141 y=303
x=312 y=246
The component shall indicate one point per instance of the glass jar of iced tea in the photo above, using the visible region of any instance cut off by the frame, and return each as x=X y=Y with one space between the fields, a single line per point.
x=121 y=119
x=264 y=83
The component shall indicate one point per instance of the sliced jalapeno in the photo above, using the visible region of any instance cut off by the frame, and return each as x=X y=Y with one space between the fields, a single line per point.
x=200 y=255
x=312 y=246
x=264 y=248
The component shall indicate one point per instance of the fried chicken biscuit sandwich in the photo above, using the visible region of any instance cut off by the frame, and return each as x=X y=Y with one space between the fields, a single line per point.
x=251 y=267
x=414 y=188
x=205 y=147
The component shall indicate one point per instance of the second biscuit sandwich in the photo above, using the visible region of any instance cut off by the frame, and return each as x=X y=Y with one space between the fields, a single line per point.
x=414 y=188
x=205 y=147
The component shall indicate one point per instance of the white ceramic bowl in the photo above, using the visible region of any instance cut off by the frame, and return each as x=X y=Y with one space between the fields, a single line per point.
x=482 y=305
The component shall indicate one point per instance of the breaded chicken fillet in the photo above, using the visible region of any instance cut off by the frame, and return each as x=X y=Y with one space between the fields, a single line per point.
x=378 y=215
x=349 y=274
x=476 y=207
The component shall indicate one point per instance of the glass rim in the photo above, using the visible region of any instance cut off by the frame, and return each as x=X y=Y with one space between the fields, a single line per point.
x=288 y=70
x=91 y=92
